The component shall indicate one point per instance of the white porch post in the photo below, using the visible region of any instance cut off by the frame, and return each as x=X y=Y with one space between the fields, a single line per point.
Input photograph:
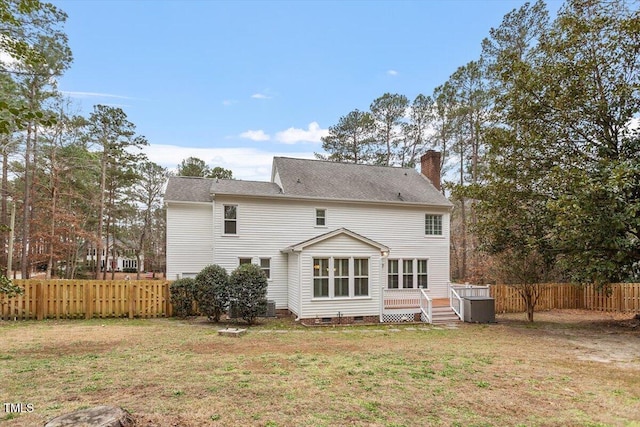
x=383 y=281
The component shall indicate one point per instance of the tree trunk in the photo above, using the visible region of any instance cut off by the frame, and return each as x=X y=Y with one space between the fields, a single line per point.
x=463 y=217
x=103 y=184
x=5 y=194
x=24 y=259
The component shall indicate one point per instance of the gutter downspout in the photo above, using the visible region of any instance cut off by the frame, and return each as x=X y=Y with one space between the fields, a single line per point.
x=299 y=286
x=213 y=229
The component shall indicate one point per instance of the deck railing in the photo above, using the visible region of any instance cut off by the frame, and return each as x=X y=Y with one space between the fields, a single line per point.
x=456 y=302
x=401 y=298
x=426 y=306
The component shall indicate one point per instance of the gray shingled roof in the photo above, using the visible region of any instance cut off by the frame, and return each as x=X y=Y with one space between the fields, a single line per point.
x=247 y=188
x=317 y=179
x=195 y=189
x=188 y=189
x=344 y=181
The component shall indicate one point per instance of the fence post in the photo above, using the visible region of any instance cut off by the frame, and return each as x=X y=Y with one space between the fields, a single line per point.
x=88 y=300
x=40 y=300
x=132 y=300
x=168 y=308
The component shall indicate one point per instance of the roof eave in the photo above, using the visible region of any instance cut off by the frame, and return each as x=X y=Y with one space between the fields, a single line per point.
x=448 y=205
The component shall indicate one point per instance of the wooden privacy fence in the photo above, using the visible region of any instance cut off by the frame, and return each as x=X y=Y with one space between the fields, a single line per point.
x=619 y=297
x=72 y=299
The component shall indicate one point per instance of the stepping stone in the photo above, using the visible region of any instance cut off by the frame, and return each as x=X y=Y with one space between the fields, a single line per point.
x=231 y=332
x=98 y=416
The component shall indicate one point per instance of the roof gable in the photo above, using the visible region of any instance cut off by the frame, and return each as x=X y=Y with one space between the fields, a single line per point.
x=338 y=232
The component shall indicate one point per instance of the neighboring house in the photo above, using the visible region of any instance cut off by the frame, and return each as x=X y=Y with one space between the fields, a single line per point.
x=125 y=259
x=337 y=241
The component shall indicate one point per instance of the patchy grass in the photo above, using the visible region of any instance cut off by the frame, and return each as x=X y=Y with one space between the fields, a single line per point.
x=174 y=372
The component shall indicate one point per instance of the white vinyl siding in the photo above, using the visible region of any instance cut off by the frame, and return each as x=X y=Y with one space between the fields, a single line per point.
x=336 y=248
x=189 y=238
x=293 y=291
x=267 y=226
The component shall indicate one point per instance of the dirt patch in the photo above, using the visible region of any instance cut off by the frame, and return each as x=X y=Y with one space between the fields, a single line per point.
x=609 y=338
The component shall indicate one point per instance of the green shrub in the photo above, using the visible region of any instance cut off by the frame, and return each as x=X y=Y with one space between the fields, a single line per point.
x=248 y=286
x=8 y=288
x=212 y=291
x=182 y=296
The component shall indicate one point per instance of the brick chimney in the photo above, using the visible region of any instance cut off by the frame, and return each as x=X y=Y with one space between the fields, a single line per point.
x=430 y=167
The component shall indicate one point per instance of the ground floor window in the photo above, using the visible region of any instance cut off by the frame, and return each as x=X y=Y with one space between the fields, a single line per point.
x=341 y=277
x=347 y=277
x=393 y=281
x=320 y=277
x=407 y=273
x=360 y=277
x=265 y=266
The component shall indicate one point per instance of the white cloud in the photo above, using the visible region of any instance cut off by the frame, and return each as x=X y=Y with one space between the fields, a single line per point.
x=255 y=135
x=260 y=96
x=295 y=135
x=392 y=73
x=75 y=94
x=229 y=102
x=245 y=163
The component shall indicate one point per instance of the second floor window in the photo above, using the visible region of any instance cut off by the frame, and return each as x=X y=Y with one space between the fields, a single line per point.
x=433 y=225
x=230 y=219
x=321 y=217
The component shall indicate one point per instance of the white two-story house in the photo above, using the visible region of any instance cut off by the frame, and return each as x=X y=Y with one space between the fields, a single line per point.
x=339 y=243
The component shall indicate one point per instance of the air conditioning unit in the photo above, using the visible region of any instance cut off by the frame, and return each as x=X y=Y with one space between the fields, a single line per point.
x=271 y=308
x=269 y=312
x=479 y=310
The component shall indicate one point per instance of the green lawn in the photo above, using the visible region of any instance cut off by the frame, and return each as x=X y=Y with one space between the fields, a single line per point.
x=171 y=372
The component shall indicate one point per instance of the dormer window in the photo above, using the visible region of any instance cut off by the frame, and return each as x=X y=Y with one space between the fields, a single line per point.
x=321 y=217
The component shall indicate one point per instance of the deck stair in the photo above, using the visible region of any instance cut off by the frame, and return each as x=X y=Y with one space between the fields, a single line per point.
x=443 y=315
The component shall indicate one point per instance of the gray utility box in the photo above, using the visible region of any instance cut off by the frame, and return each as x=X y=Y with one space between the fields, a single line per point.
x=479 y=309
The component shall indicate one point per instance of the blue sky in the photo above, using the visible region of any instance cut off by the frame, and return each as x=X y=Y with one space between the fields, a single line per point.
x=237 y=82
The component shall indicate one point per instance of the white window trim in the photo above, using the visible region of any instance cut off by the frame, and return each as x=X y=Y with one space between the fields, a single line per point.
x=330 y=278
x=240 y=258
x=401 y=271
x=441 y=235
x=270 y=266
x=224 y=221
x=351 y=295
x=315 y=217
